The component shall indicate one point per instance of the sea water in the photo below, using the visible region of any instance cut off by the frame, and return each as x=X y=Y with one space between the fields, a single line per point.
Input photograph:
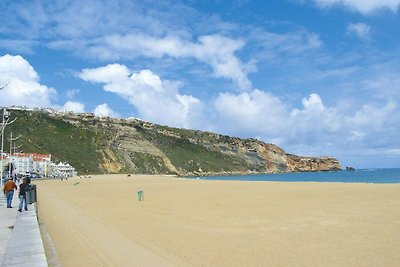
x=357 y=176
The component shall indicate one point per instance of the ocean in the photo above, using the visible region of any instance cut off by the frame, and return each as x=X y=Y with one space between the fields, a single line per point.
x=380 y=176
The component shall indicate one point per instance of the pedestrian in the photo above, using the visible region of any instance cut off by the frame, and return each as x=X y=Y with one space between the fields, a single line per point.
x=8 y=190
x=22 y=194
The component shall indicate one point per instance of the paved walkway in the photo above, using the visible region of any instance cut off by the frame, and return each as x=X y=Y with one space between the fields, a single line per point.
x=20 y=240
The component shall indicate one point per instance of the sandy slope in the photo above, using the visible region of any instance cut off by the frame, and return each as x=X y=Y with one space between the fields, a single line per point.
x=99 y=222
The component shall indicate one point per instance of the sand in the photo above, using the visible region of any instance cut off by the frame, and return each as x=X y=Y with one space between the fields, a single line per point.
x=182 y=222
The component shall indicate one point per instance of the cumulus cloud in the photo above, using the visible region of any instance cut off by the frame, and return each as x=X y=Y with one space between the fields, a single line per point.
x=103 y=110
x=360 y=30
x=255 y=112
x=314 y=122
x=265 y=115
x=155 y=99
x=23 y=84
x=313 y=104
x=372 y=117
x=73 y=106
x=362 y=6
x=217 y=51
x=312 y=127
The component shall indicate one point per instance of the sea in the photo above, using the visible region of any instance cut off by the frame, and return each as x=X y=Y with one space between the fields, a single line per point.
x=378 y=176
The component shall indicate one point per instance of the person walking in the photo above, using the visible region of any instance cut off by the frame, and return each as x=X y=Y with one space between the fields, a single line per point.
x=8 y=190
x=22 y=194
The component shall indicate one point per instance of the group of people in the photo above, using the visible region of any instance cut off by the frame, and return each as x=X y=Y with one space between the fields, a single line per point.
x=9 y=188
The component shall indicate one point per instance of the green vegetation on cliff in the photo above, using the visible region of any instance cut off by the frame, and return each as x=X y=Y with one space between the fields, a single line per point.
x=65 y=142
x=192 y=157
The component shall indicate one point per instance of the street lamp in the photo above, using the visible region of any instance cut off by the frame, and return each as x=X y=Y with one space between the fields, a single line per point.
x=15 y=148
x=10 y=154
x=4 y=123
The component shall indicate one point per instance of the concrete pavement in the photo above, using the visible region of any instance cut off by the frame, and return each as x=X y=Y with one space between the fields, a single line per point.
x=7 y=222
x=20 y=240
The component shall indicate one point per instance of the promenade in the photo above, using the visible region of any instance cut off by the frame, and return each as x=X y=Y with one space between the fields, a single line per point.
x=20 y=240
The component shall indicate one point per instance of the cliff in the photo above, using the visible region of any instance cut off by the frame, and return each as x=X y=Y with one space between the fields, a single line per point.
x=106 y=145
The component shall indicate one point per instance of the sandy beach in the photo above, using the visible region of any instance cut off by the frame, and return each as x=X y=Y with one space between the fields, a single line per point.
x=182 y=222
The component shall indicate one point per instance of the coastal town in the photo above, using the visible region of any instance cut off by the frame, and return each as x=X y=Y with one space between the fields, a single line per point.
x=34 y=165
x=15 y=164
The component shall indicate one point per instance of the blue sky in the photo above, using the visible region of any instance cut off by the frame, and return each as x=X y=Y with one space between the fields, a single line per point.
x=316 y=77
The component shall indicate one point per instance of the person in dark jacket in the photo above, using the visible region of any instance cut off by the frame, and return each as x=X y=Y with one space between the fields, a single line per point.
x=22 y=194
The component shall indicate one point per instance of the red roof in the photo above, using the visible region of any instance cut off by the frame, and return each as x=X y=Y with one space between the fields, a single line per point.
x=33 y=155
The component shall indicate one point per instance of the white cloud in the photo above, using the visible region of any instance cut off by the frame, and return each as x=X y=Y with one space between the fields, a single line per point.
x=372 y=117
x=23 y=85
x=264 y=114
x=71 y=93
x=361 y=30
x=382 y=81
x=394 y=151
x=362 y=6
x=73 y=106
x=313 y=104
x=155 y=99
x=314 y=122
x=19 y=46
x=255 y=112
x=216 y=51
x=291 y=42
x=103 y=110
x=313 y=128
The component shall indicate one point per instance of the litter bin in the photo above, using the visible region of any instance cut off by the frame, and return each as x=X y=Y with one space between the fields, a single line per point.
x=31 y=194
x=140 y=195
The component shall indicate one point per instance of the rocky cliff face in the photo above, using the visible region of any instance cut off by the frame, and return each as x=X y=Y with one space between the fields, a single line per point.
x=138 y=146
x=135 y=146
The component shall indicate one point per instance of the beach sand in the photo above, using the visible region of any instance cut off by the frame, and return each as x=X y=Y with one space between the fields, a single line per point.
x=182 y=222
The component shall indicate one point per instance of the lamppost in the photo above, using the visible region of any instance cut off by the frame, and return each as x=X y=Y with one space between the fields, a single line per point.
x=4 y=123
x=9 y=155
x=15 y=148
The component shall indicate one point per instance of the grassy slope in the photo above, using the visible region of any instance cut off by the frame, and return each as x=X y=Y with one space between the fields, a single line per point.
x=43 y=134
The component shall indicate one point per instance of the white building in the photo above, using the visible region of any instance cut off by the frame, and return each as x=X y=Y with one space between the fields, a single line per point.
x=22 y=164
x=62 y=170
x=3 y=162
x=31 y=163
x=39 y=164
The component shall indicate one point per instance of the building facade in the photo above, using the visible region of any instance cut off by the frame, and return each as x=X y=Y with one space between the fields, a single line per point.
x=38 y=164
x=62 y=170
x=24 y=163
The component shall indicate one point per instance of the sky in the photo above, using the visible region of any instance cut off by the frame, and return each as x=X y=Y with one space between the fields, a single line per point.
x=316 y=77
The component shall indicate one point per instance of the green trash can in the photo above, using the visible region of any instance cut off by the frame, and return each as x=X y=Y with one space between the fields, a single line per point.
x=31 y=194
x=140 y=195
